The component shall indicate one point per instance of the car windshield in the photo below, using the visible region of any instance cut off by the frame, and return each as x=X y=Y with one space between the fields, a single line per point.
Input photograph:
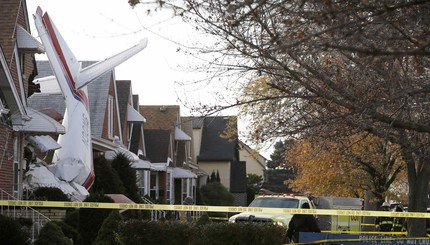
x=274 y=202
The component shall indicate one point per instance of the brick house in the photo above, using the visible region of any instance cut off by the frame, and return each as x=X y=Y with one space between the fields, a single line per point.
x=167 y=148
x=17 y=70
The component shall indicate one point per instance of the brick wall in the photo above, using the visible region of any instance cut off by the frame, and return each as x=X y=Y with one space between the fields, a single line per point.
x=6 y=160
x=54 y=214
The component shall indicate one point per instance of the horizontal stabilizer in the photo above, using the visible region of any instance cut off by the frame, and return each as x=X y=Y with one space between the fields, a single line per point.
x=48 y=85
x=93 y=71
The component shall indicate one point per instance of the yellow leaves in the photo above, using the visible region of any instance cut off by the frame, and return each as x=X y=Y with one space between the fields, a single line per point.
x=334 y=168
x=230 y=132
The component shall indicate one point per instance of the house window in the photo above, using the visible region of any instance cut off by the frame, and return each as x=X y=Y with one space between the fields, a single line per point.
x=184 y=188
x=168 y=187
x=16 y=168
x=153 y=186
x=110 y=117
x=140 y=179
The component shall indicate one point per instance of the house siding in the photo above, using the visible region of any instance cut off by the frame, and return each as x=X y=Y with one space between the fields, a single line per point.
x=116 y=127
x=223 y=169
x=252 y=165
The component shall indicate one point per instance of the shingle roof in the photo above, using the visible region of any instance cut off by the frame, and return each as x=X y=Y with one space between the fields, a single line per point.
x=98 y=92
x=123 y=93
x=157 y=143
x=213 y=147
x=160 y=116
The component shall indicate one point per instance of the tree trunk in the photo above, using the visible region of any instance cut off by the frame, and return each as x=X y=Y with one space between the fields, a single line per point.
x=418 y=199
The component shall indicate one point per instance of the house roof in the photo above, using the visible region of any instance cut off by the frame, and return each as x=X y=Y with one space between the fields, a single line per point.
x=98 y=92
x=181 y=135
x=39 y=123
x=213 y=146
x=27 y=42
x=160 y=116
x=123 y=88
x=133 y=115
x=136 y=135
x=157 y=143
x=43 y=143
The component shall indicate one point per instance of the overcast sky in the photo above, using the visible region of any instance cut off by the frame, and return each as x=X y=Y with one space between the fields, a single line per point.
x=97 y=29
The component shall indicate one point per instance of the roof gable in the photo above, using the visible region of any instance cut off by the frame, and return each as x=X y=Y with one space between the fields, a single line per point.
x=160 y=116
x=157 y=142
x=213 y=146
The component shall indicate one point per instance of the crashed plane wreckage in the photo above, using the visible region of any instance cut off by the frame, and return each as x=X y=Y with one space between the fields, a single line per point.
x=72 y=165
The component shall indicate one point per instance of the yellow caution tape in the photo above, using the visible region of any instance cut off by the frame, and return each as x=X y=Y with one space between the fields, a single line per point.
x=388 y=233
x=368 y=240
x=229 y=209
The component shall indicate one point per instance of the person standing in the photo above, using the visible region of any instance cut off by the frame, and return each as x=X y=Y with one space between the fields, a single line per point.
x=186 y=215
x=384 y=223
x=399 y=223
x=302 y=223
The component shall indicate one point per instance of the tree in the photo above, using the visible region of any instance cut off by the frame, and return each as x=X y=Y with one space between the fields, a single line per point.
x=107 y=180
x=217 y=178
x=253 y=184
x=279 y=156
x=351 y=168
x=326 y=69
x=127 y=174
x=214 y=193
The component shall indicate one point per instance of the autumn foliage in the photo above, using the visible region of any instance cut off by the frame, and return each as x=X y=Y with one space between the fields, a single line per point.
x=349 y=168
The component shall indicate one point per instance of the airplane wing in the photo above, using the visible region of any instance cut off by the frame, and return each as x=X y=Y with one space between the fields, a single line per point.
x=93 y=71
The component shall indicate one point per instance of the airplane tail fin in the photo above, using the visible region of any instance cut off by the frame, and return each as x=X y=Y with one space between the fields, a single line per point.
x=77 y=77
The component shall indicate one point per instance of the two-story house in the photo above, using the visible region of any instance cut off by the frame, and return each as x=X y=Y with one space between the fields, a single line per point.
x=17 y=70
x=167 y=148
x=217 y=149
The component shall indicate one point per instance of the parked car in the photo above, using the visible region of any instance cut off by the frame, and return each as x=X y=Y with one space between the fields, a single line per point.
x=272 y=201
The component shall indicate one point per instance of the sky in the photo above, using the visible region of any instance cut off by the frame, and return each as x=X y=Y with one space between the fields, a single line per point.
x=96 y=29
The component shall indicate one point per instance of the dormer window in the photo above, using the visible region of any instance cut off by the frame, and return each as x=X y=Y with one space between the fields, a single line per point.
x=110 y=116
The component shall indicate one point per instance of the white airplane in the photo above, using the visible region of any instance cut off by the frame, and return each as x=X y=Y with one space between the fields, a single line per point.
x=73 y=162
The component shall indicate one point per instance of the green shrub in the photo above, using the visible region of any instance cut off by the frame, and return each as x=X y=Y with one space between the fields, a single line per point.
x=51 y=234
x=49 y=194
x=69 y=232
x=106 y=234
x=156 y=232
x=215 y=194
x=187 y=233
x=107 y=179
x=240 y=233
x=127 y=174
x=12 y=232
x=204 y=219
x=88 y=221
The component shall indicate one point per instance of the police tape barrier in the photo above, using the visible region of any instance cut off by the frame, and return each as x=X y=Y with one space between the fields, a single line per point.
x=382 y=240
x=230 y=209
